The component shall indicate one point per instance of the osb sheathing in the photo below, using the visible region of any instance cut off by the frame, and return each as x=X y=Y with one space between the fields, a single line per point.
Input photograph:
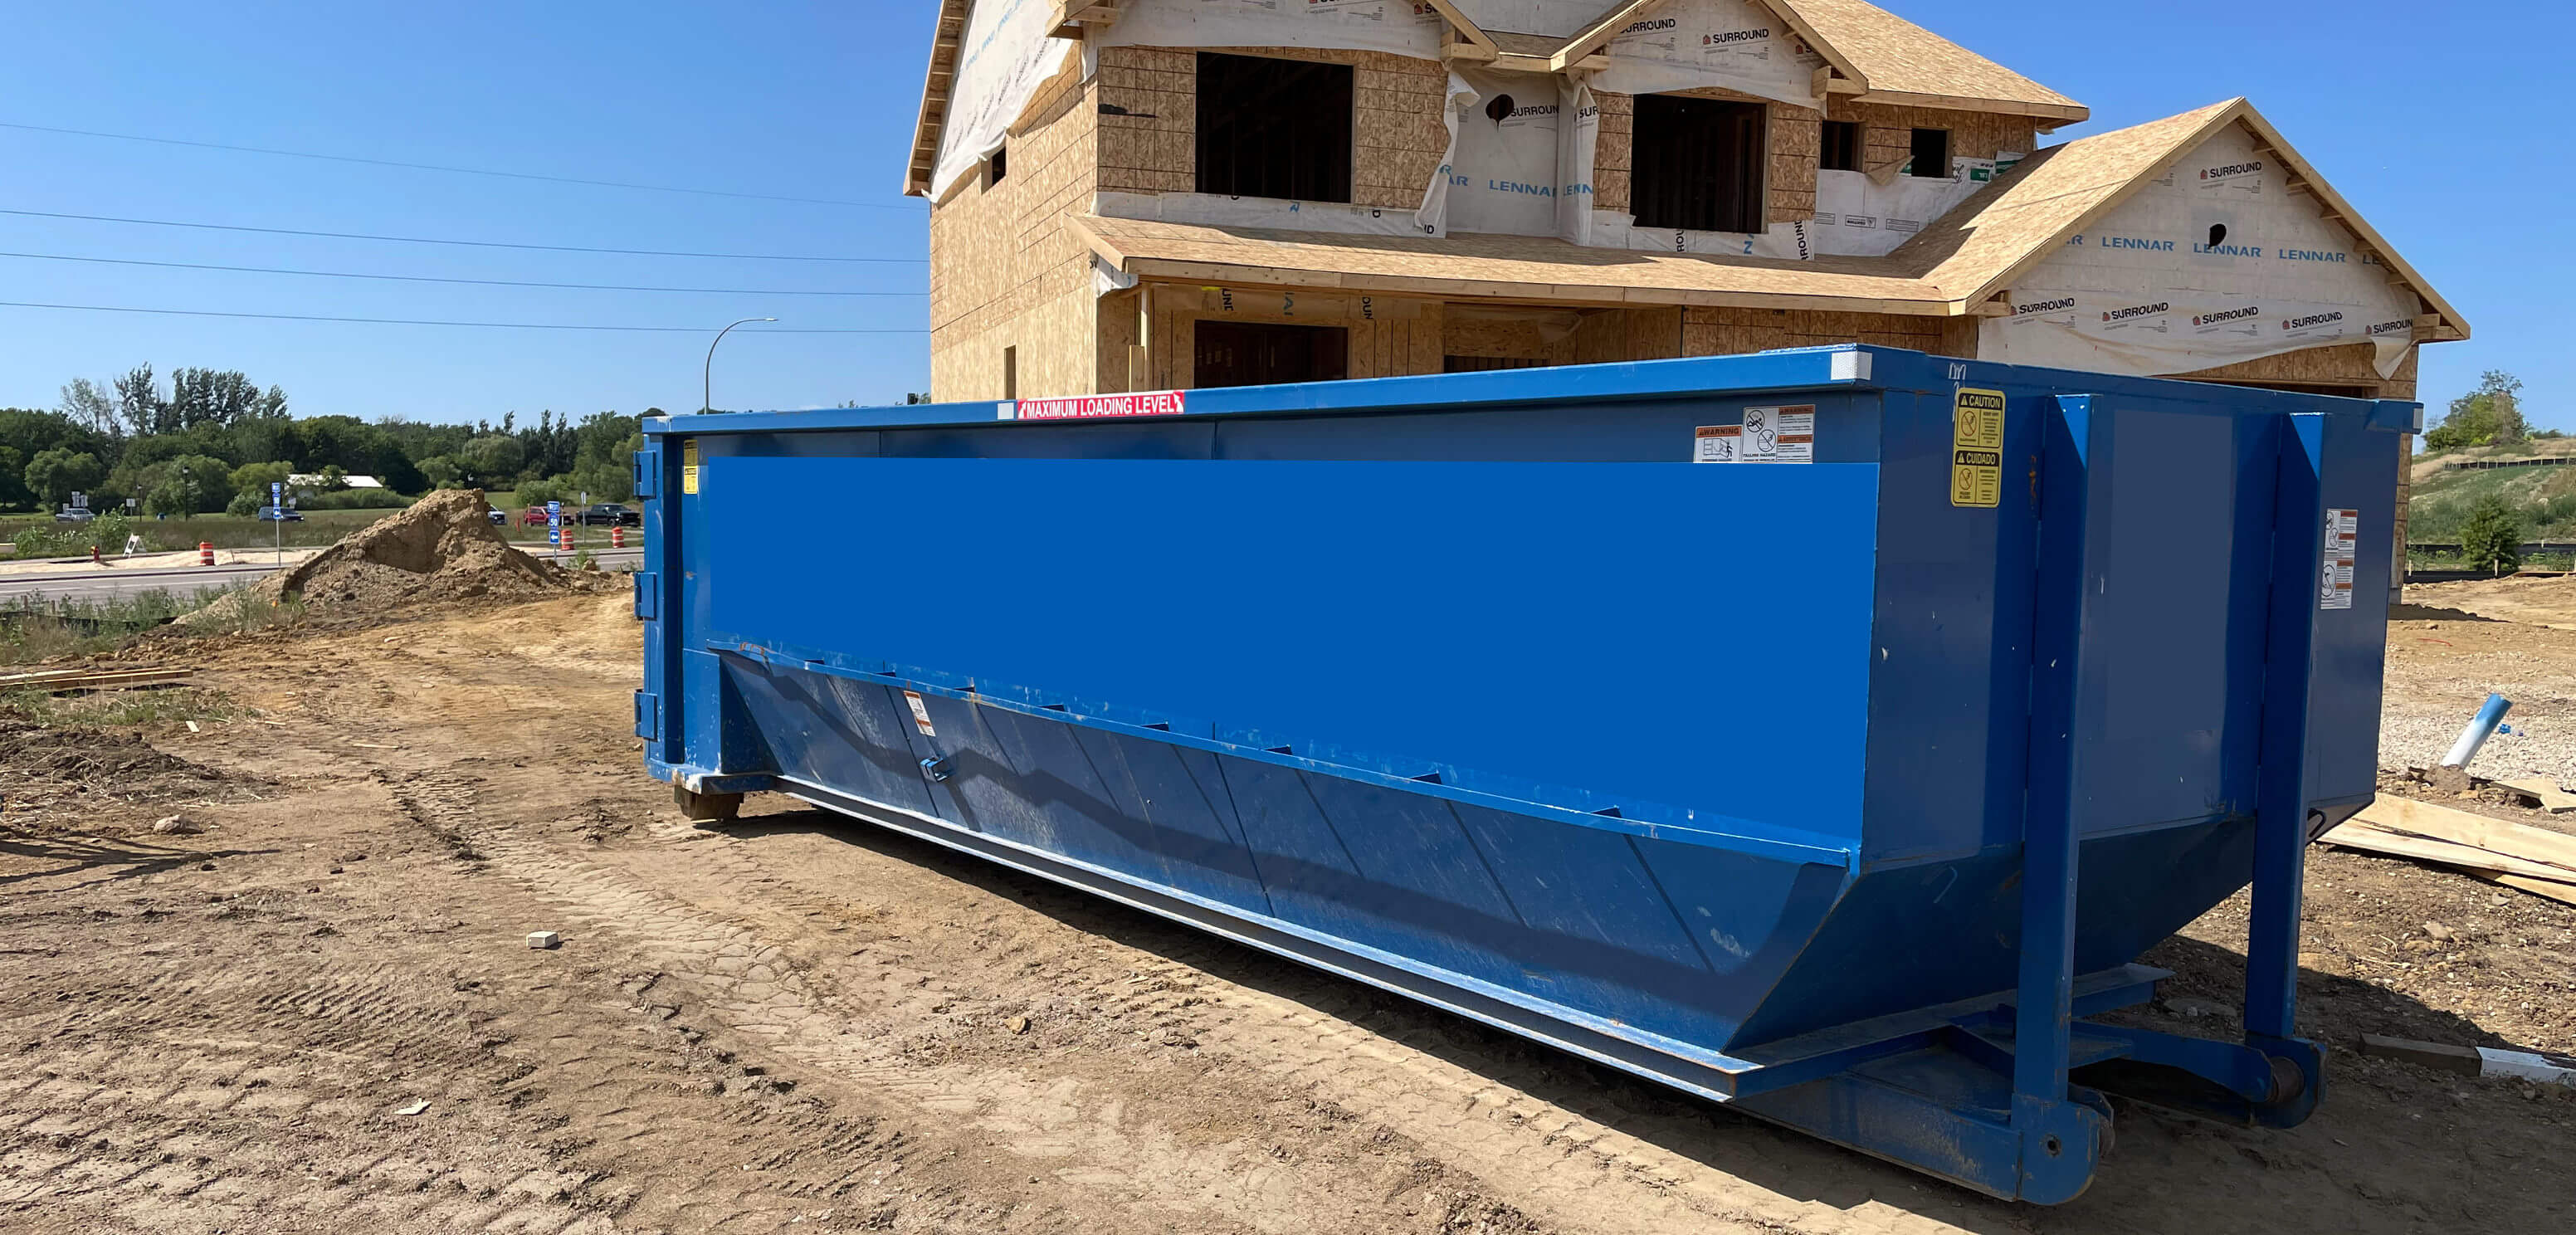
x=1887 y=133
x=1598 y=336
x=1896 y=54
x=1732 y=331
x=1005 y=272
x=1795 y=137
x=1386 y=347
x=1396 y=127
x=1613 y=162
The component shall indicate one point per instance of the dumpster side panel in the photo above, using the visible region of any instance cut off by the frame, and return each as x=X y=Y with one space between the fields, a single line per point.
x=1463 y=614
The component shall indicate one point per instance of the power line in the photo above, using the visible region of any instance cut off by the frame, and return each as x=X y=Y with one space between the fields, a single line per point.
x=423 y=278
x=466 y=171
x=477 y=244
x=405 y=321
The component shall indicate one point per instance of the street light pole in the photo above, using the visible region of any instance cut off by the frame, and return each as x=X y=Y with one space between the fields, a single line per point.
x=707 y=379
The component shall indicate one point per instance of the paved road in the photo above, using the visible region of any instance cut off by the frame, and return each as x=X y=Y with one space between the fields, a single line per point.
x=113 y=584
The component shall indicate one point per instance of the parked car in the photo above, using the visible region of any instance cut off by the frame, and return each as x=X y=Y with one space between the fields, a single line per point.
x=534 y=516
x=498 y=518
x=280 y=514
x=610 y=514
x=74 y=514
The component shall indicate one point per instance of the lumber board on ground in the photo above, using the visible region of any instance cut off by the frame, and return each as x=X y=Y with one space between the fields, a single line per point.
x=2356 y=835
x=2502 y=836
x=2545 y=791
x=59 y=681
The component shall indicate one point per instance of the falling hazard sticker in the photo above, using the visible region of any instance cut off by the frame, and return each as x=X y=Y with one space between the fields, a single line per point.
x=920 y=714
x=2334 y=576
x=688 y=465
x=1977 y=448
x=1716 y=443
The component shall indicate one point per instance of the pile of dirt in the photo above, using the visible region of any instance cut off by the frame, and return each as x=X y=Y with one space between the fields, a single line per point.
x=442 y=547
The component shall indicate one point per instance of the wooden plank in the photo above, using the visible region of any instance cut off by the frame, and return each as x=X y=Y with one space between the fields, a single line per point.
x=2545 y=791
x=2562 y=893
x=2352 y=835
x=2463 y=1060
x=2499 y=836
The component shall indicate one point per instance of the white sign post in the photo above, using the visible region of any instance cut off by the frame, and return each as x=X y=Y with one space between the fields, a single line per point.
x=554 y=526
x=277 y=517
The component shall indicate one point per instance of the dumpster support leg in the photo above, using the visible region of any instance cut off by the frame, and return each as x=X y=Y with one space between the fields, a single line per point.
x=2060 y=1140
x=2281 y=802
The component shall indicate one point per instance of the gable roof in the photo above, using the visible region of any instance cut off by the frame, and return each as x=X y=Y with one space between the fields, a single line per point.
x=1903 y=63
x=1875 y=54
x=1978 y=249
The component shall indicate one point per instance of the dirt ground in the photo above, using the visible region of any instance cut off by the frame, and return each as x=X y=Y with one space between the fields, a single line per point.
x=805 y=1024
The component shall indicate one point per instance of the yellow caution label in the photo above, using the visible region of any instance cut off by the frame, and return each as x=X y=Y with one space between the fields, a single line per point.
x=1977 y=448
x=689 y=465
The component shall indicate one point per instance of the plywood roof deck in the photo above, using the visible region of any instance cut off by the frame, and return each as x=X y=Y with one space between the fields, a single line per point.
x=1513 y=267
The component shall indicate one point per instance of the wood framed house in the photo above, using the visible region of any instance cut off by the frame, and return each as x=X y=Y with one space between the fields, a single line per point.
x=1138 y=195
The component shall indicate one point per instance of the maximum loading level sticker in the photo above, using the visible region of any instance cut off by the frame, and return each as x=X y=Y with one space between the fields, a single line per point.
x=1977 y=448
x=1768 y=435
x=920 y=713
x=2334 y=574
x=688 y=465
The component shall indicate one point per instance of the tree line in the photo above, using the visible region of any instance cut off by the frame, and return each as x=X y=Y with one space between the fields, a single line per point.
x=206 y=440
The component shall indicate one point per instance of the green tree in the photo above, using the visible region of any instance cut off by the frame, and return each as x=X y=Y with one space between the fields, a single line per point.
x=14 y=492
x=250 y=483
x=187 y=485
x=2490 y=415
x=2492 y=538
x=334 y=478
x=492 y=458
x=550 y=489
x=58 y=473
x=441 y=471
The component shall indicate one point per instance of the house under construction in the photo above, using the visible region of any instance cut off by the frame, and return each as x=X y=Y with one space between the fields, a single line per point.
x=1140 y=195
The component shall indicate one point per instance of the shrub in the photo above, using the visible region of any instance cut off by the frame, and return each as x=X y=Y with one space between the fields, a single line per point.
x=2492 y=538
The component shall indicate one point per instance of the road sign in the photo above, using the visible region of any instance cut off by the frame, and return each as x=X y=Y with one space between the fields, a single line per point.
x=276 y=493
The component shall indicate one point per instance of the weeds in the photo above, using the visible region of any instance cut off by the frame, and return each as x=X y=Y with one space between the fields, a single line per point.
x=31 y=630
x=142 y=705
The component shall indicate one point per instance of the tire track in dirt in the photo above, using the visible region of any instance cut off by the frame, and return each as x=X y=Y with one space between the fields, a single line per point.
x=1521 y=1150
x=1065 y=1128
x=1347 y=1044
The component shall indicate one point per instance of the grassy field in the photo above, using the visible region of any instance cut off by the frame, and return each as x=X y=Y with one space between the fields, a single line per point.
x=2545 y=498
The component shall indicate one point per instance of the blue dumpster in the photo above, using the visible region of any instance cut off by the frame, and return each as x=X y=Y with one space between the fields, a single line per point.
x=1822 y=732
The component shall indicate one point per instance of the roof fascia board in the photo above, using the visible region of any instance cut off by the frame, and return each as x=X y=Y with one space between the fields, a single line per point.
x=1951 y=102
x=948 y=31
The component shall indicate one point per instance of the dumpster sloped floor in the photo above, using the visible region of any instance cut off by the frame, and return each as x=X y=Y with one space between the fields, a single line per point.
x=804 y=1024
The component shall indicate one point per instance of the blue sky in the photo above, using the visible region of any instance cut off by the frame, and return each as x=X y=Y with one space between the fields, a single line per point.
x=2407 y=114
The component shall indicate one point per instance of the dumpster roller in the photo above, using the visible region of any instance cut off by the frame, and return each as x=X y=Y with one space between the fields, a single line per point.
x=1825 y=733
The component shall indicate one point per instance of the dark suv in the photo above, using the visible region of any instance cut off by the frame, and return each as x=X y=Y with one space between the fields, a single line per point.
x=610 y=514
